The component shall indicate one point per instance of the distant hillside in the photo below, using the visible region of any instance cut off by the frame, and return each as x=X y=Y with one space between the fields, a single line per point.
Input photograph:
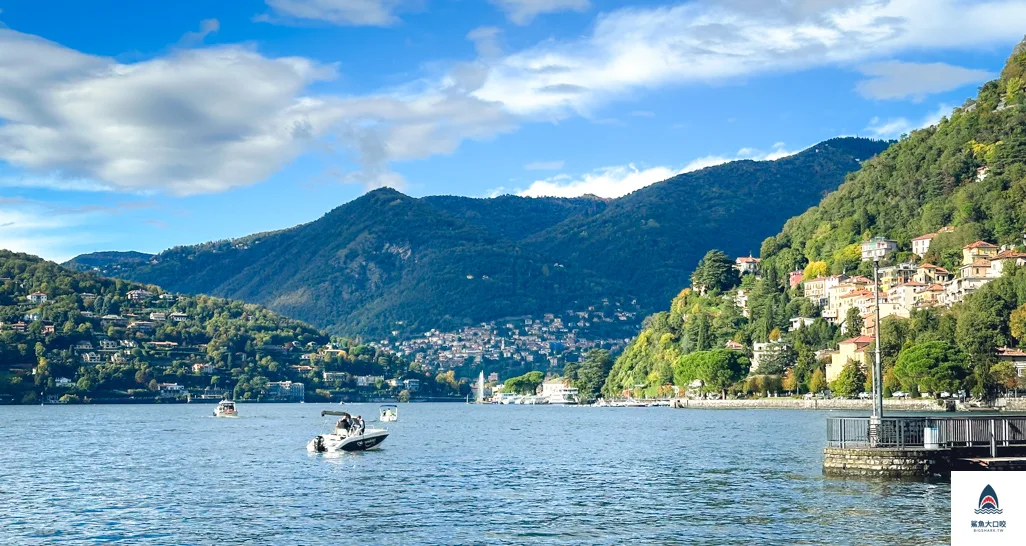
x=387 y=261
x=108 y=261
x=79 y=337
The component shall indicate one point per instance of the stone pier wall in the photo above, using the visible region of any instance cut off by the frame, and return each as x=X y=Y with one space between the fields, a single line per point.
x=886 y=463
x=814 y=404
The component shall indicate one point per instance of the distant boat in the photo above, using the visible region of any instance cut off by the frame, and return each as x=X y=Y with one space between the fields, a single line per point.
x=389 y=413
x=226 y=408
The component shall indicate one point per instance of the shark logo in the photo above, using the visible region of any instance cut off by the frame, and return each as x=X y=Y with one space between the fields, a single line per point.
x=988 y=502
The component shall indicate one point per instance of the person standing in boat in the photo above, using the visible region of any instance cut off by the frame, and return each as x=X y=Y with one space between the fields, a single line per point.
x=344 y=423
x=360 y=426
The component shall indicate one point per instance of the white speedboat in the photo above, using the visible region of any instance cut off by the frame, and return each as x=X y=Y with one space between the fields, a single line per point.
x=226 y=408
x=346 y=436
x=389 y=413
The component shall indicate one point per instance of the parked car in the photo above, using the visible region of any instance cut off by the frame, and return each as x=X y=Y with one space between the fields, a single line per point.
x=865 y=395
x=900 y=394
x=945 y=395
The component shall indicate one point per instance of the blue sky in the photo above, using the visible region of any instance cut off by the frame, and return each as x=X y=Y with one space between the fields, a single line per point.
x=130 y=125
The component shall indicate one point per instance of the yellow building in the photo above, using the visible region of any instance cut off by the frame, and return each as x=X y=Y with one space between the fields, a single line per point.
x=980 y=250
x=849 y=349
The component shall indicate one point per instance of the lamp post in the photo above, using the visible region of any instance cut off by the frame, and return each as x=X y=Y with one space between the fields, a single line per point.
x=874 y=421
x=871 y=251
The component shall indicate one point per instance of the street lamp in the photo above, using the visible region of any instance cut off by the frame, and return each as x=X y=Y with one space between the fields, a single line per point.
x=873 y=250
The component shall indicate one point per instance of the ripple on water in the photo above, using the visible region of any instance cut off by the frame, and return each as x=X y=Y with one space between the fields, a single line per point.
x=448 y=474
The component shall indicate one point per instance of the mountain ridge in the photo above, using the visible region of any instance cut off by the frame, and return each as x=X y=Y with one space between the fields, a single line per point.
x=390 y=262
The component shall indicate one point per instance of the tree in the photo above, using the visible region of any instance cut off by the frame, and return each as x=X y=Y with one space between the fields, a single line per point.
x=930 y=366
x=714 y=271
x=718 y=369
x=851 y=381
x=815 y=269
x=1017 y=323
x=591 y=374
x=524 y=384
x=790 y=381
x=817 y=382
x=853 y=322
x=777 y=361
x=1006 y=375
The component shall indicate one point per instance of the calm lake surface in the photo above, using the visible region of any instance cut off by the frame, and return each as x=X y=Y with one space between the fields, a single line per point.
x=449 y=473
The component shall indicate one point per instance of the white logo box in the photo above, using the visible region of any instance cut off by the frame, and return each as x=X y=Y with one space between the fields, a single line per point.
x=988 y=508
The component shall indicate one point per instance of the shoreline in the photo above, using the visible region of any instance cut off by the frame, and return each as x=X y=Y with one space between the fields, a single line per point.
x=822 y=404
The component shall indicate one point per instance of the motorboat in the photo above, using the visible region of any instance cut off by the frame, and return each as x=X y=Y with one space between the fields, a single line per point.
x=346 y=436
x=226 y=408
x=388 y=413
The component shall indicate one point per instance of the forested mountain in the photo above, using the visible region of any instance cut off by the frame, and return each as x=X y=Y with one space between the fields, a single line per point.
x=968 y=173
x=650 y=240
x=80 y=337
x=107 y=260
x=388 y=262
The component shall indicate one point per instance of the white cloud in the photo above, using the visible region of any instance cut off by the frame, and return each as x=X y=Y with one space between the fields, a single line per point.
x=486 y=41
x=898 y=80
x=778 y=151
x=605 y=182
x=215 y=118
x=895 y=127
x=544 y=166
x=617 y=181
x=211 y=119
x=634 y=49
x=207 y=27
x=379 y=13
x=523 y=12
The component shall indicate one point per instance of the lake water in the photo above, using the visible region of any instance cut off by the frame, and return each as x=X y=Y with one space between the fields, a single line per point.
x=448 y=474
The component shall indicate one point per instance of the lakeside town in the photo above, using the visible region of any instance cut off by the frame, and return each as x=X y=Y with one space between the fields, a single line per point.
x=521 y=343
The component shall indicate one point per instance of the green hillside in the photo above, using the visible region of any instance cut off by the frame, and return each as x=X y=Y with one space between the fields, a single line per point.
x=81 y=337
x=967 y=172
x=389 y=262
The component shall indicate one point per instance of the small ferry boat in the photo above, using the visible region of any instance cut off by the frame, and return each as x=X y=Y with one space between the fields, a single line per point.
x=347 y=435
x=226 y=408
x=389 y=413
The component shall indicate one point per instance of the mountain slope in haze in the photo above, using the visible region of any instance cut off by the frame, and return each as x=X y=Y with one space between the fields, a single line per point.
x=109 y=261
x=387 y=261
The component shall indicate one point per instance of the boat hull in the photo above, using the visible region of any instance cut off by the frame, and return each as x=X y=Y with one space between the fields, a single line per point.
x=332 y=443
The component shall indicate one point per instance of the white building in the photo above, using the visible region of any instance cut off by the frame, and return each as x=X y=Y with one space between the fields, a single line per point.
x=801 y=322
x=559 y=391
x=878 y=247
x=1016 y=356
x=37 y=297
x=368 y=380
x=747 y=264
x=170 y=390
x=285 y=391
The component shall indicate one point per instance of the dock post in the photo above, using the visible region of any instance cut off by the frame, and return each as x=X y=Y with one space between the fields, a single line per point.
x=993 y=440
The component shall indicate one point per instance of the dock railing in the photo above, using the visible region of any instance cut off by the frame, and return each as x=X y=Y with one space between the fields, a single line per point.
x=912 y=432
